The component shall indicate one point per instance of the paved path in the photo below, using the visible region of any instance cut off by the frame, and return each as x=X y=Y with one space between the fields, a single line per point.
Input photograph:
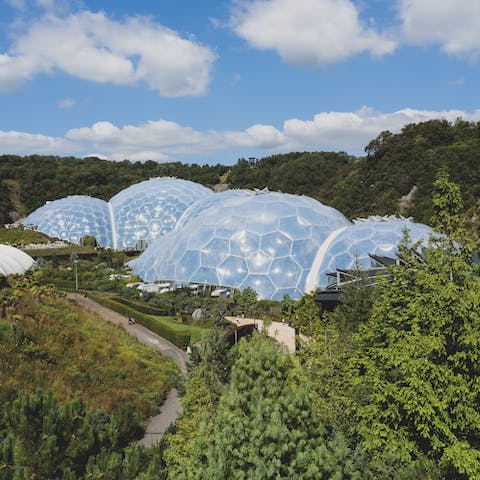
x=171 y=407
x=281 y=332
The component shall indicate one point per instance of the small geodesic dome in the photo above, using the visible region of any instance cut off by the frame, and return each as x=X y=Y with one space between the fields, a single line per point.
x=263 y=240
x=150 y=209
x=14 y=261
x=351 y=245
x=74 y=217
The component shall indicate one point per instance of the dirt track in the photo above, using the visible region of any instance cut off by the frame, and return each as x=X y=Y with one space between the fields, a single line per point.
x=171 y=407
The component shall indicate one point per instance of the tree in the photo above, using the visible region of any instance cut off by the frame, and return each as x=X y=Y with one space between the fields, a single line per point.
x=246 y=299
x=265 y=426
x=46 y=440
x=448 y=209
x=307 y=311
x=209 y=371
x=414 y=377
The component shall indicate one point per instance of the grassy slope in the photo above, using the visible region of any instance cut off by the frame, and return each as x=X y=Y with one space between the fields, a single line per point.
x=62 y=348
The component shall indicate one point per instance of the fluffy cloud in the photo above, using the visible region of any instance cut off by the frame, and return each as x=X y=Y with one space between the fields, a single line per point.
x=93 y=47
x=20 y=143
x=307 y=32
x=454 y=24
x=156 y=140
x=163 y=140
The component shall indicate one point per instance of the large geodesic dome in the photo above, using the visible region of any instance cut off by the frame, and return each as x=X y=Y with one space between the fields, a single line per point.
x=149 y=209
x=14 y=261
x=74 y=217
x=263 y=240
x=352 y=245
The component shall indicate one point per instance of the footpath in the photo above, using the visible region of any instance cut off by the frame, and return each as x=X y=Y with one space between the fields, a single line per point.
x=171 y=407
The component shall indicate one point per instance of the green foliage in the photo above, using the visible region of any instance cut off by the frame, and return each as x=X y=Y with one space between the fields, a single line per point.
x=209 y=370
x=306 y=312
x=17 y=236
x=265 y=426
x=57 y=346
x=245 y=299
x=448 y=210
x=42 y=439
x=88 y=241
x=415 y=373
x=180 y=338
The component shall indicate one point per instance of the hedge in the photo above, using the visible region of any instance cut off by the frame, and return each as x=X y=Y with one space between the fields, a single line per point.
x=180 y=338
x=142 y=307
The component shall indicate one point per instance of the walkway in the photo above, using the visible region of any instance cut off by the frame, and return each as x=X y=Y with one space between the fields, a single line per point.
x=281 y=332
x=171 y=407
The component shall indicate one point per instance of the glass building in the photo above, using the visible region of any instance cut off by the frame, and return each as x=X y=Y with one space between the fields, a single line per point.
x=350 y=246
x=149 y=209
x=263 y=240
x=74 y=217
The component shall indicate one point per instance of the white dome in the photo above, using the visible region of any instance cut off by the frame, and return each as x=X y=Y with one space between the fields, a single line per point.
x=13 y=260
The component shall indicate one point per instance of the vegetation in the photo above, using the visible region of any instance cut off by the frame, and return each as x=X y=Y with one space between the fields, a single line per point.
x=47 y=343
x=396 y=175
x=18 y=237
x=40 y=439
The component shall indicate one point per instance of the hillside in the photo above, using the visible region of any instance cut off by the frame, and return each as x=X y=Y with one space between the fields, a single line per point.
x=56 y=346
x=396 y=166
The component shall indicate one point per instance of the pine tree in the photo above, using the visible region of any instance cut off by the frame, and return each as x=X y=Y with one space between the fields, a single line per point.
x=265 y=426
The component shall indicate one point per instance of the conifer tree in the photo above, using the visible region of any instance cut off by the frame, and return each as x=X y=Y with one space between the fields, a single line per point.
x=265 y=426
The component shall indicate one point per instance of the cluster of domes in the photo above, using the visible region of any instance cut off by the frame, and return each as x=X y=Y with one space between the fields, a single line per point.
x=14 y=261
x=275 y=243
x=141 y=212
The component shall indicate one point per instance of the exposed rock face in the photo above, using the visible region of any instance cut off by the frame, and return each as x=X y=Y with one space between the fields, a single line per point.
x=406 y=200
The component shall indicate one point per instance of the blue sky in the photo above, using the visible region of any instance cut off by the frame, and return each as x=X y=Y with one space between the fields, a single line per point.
x=213 y=81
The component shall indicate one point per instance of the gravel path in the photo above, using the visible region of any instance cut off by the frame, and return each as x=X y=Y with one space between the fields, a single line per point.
x=171 y=407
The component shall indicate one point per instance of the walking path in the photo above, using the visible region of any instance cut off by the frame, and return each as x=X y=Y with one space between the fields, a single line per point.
x=281 y=332
x=171 y=407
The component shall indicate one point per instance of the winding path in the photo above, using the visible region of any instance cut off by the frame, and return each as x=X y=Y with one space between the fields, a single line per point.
x=171 y=407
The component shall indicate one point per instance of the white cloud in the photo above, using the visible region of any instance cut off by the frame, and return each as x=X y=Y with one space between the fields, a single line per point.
x=351 y=131
x=454 y=24
x=154 y=140
x=66 y=103
x=93 y=47
x=163 y=140
x=307 y=32
x=20 y=143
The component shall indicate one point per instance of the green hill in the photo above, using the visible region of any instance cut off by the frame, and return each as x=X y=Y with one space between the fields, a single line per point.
x=396 y=166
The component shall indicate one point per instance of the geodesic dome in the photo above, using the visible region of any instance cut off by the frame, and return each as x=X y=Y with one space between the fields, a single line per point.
x=263 y=240
x=74 y=217
x=14 y=261
x=149 y=209
x=353 y=243
x=200 y=206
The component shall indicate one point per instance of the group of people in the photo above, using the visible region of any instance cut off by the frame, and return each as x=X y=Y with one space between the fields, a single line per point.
x=131 y=321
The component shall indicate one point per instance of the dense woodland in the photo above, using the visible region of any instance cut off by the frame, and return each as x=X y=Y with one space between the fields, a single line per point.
x=394 y=166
